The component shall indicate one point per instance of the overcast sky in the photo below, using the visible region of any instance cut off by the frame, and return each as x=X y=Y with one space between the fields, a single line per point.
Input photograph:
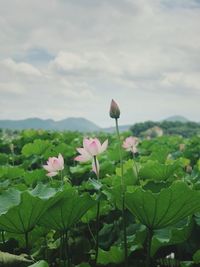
x=69 y=58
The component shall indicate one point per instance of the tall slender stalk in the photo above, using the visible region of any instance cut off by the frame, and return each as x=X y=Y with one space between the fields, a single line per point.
x=123 y=196
x=149 y=240
x=61 y=248
x=135 y=165
x=26 y=243
x=97 y=217
x=61 y=177
x=66 y=247
x=3 y=237
x=64 y=253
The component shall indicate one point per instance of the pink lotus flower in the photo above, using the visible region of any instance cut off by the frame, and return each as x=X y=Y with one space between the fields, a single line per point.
x=54 y=165
x=130 y=144
x=91 y=148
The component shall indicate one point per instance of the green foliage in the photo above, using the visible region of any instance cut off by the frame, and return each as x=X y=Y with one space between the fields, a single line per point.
x=171 y=235
x=40 y=264
x=23 y=209
x=67 y=211
x=185 y=129
x=38 y=147
x=162 y=184
x=153 y=170
x=159 y=210
x=114 y=255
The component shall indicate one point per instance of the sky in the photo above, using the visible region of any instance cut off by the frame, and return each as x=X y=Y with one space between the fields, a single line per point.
x=69 y=58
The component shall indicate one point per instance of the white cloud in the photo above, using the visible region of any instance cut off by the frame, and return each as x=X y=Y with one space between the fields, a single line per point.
x=21 y=67
x=182 y=80
x=84 y=64
x=141 y=52
x=12 y=88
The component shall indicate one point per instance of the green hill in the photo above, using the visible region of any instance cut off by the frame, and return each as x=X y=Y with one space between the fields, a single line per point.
x=69 y=124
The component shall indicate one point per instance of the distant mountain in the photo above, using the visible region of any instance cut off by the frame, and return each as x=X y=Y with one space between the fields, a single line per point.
x=69 y=124
x=122 y=128
x=177 y=118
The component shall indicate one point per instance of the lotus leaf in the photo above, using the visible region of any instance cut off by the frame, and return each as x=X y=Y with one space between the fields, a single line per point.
x=167 y=207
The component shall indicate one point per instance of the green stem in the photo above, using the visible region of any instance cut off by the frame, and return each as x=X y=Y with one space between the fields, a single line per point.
x=67 y=254
x=13 y=161
x=136 y=168
x=90 y=231
x=97 y=217
x=124 y=231
x=3 y=237
x=45 y=249
x=120 y=155
x=97 y=232
x=96 y=167
x=149 y=240
x=26 y=243
x=123 y=196
x=61 y=177
x=61 y=248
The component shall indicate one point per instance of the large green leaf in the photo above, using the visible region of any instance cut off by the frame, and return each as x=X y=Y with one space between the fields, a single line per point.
x=114 y=255
x=34 y=176
x=20 y=211
x=67 y=211
x=9 y=199
x=159 y=210
x=154 y=170
x=171 y=235
x=10 y=172
x=38 y=147
x=40 y=264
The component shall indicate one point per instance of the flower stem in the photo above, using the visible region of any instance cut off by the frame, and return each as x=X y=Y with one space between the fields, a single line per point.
x=96 y=167
x=3 y=237
x=135 y=165
x=120 y=155
x=149 y=239
x=67 y=254
x=61 y=177
x=97 y=232
x=123 y=196
x=97 y=217
x=26 y=243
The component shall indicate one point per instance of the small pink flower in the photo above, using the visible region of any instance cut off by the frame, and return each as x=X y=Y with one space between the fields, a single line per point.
x=91 y=147
x=130 y=144
x=54 y=165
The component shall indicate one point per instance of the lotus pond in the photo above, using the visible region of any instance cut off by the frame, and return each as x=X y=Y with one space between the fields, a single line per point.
x=118 y=208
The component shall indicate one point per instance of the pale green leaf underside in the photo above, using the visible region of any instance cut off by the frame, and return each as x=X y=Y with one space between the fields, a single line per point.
x=159 y=210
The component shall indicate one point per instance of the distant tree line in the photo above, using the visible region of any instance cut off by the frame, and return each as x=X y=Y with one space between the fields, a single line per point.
x=185 y=129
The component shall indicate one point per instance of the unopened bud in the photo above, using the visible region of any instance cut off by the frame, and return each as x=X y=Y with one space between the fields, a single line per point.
x=188 y=169
x=12 y=148
x=182 y=147
x=114 y=110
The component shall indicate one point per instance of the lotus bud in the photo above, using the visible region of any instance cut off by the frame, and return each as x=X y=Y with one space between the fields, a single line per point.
x=188 y=169
x=114 y=110
x=12 y=148
x=182 y=147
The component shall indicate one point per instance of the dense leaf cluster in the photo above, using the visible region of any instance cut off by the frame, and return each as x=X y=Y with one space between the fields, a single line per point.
x=53 y=222
x=185 y=129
